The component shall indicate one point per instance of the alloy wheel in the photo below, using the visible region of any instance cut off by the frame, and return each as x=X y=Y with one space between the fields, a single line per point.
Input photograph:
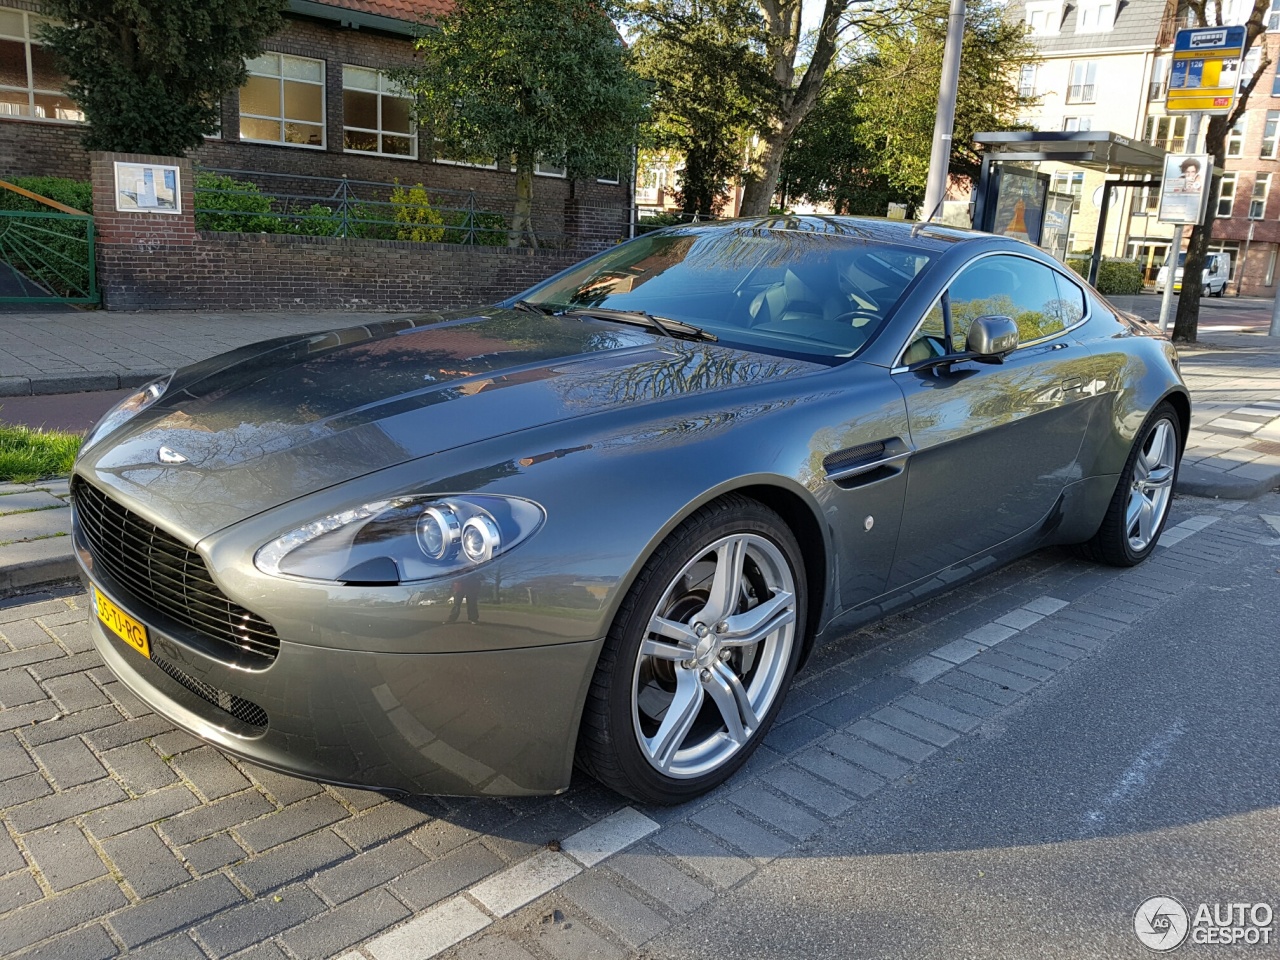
x=1152 y=486
x=715 y=656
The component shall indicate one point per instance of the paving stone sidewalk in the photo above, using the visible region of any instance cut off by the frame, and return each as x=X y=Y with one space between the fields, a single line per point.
x=120 y=835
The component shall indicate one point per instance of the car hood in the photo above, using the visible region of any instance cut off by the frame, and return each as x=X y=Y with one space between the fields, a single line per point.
x=272 y=422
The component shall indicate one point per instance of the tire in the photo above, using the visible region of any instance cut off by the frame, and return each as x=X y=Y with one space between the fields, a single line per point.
x=1130 y=530
x=674 y=714
x=1206 y=291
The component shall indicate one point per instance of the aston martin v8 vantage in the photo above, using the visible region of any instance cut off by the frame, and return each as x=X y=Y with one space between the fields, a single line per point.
x=605 y=522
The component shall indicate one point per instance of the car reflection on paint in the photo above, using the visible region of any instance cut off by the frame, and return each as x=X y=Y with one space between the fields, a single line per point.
x=606 y=521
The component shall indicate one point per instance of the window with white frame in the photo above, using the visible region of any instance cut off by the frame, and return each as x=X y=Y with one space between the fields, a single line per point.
x=1082 y=87
x=1258 y=200
x=1273 y=16
x=1226 y=194
x=1071 y=182
x=1044 y=17
x=1235 y=138
x=1027 y=81
x=1159 y=87
x=31 y=85
x=377 y=114
x=1167 y=132
x=545 y=168
x=1269 y=138
x=1074 y=124
x=283 y=101
x=1095 y=16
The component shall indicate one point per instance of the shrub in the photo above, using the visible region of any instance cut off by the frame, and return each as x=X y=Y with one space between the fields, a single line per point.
x=1119 y=277
x=657 y=221
x=77 y=194
x=421 y=222
x=232 y=206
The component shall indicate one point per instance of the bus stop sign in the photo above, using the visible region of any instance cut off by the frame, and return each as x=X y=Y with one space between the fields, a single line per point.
x=1206 y=70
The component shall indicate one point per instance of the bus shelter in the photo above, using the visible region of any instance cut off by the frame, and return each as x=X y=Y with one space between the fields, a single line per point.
x=1010 y=182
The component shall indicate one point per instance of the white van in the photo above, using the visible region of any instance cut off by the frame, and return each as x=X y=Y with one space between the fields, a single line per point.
x=1215 y=277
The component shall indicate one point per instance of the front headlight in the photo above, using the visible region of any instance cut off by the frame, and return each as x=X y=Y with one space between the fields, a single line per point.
x=402 y=540
x=126 y=410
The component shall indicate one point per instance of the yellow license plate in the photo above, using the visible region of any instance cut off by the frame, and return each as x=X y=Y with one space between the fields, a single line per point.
x=121 y=624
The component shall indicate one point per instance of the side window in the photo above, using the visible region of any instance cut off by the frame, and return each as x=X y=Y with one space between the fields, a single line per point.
x=1013 y=287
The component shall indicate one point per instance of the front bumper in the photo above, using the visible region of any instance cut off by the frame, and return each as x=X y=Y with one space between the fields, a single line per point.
x=488 y=722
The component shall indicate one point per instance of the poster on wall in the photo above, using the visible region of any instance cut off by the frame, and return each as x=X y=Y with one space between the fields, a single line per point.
x=1184 y=192
x=1057 y=224
x=148 y=188
x=1019 y=206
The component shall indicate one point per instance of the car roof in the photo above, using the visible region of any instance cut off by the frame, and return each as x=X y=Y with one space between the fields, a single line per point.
x=875 y=229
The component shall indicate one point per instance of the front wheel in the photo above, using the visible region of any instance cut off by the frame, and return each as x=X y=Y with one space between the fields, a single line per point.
x=699 y=658
x=1140 y=505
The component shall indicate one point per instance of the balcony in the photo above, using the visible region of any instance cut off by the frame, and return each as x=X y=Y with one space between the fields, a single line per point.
x=1081 y=93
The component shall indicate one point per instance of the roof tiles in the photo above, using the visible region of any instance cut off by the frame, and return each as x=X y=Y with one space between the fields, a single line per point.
x=414 y=11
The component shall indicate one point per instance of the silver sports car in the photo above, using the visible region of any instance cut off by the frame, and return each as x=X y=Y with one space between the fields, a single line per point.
x=606 y=521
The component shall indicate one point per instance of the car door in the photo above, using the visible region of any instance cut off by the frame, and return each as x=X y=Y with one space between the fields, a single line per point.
x=994 y=443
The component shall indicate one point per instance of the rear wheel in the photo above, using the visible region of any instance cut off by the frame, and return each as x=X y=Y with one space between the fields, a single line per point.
x=1140 y=505
x=700 y=656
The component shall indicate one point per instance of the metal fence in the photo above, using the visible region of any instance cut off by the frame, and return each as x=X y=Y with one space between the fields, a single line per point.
x=46 y=250
x=247 y=201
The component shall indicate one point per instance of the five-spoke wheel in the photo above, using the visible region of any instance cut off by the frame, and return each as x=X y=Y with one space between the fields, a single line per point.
x=698 y=663
x=1140 y=505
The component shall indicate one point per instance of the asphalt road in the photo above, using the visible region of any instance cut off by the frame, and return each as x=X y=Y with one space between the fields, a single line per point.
x=73 y=412
x=1148 y=768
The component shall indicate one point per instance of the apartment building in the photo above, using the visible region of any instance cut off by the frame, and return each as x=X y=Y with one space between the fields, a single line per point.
x=1106 y=67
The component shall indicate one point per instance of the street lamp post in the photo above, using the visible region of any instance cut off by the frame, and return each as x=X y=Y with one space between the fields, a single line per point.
x=944 y=124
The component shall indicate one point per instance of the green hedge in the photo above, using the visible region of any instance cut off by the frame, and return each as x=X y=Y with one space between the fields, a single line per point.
x=77 y=194
x=1116 y=277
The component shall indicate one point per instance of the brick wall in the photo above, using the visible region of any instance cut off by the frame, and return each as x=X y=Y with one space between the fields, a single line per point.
x=226 y=271
x=131 y=227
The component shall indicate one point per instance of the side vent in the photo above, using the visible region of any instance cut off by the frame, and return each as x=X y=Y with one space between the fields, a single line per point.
x=867 y=462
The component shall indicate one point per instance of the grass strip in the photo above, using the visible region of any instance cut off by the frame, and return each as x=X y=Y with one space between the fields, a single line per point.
x=27 y=455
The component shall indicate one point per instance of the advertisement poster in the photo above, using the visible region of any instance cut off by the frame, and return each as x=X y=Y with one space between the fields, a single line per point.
x=1020 y=200
x=147 y=188
x=1184 y=192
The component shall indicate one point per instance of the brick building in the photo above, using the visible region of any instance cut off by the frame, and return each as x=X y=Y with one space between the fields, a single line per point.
x=317 y=103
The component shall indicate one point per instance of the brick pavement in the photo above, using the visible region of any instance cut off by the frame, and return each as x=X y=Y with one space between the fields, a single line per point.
x=119 y=834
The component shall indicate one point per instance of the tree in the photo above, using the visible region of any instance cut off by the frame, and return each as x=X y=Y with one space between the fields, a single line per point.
x=150 y=74
x=704 y=60
x=867 y=140
x=1187 y=318
x=534 y=80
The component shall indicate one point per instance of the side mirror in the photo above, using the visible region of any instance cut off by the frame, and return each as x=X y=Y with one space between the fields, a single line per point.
x=990 y=338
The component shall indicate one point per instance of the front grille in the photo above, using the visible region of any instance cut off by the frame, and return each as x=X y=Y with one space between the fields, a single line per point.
x=169 y=577
x=246 y=711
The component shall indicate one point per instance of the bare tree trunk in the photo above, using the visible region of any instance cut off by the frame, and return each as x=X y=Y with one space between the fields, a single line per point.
x=762 y=175
x=522 y=221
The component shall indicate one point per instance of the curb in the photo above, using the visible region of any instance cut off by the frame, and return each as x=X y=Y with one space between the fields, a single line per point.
x=83 y=382
x=26 y=577
x=1197 y=482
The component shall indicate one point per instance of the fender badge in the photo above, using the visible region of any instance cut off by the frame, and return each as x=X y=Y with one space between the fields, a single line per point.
x=165 y=455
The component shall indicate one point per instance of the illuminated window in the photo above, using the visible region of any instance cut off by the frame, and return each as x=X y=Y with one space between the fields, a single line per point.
x=377 y=114
x=30 y=85
x=283 y=101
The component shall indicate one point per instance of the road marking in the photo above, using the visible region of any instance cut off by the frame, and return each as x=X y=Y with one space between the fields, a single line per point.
x=431 y=932
x=1154 y=756
x=508 y=891
x=611 y=835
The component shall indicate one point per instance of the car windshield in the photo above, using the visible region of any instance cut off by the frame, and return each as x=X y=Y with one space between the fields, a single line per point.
x=795 y=292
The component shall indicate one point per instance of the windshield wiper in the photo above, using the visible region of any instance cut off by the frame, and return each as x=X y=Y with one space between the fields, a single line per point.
x=675 y=329
x=538 y=308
